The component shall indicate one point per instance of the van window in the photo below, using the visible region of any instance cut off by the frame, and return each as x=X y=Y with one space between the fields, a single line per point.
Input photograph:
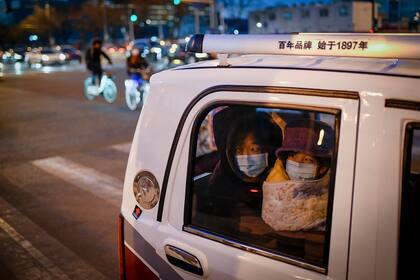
x=263 y=178
x=410 y=204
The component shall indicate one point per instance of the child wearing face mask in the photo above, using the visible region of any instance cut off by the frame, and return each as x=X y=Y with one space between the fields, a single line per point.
x=295 y=193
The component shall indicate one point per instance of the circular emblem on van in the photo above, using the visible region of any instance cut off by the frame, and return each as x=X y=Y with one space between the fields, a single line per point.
x=146 y=189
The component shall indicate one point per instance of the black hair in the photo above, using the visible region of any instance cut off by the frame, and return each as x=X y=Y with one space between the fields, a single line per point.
x=96 y=41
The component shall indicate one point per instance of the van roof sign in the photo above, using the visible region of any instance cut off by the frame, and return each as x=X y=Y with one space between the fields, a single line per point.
x=399 y=46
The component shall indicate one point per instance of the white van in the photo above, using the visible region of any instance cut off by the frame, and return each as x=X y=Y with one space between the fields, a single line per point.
x=298 y=158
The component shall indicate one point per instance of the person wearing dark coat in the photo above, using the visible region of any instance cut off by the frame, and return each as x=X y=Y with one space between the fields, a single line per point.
x=246 y=140
x=93 y=60
x=137 y=66
x=249 y=147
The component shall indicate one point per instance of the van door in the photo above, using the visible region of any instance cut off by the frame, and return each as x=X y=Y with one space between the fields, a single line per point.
x=385 y=222
x=261 y=185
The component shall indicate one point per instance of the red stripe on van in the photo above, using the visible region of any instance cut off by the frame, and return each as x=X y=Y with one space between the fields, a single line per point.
x=131 y=267
x=135 y=269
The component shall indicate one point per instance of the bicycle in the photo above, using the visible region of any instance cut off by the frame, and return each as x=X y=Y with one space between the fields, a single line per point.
x=137 y=89
x=106 y=88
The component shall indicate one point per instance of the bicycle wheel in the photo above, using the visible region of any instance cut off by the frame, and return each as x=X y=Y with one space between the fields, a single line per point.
x=144 y=92
x=110 y=91
x=132 y=99
x=87 y=85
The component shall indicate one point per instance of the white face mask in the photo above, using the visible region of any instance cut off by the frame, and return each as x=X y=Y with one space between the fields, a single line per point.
x=301 y=171
x=252 y=165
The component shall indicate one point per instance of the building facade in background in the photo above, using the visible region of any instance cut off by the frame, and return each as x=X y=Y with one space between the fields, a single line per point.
x=7 y=7
x=398 y=14
x=338 y=16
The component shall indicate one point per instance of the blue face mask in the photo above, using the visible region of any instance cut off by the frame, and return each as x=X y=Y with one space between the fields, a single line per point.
x=301 y=171
x=252 y=165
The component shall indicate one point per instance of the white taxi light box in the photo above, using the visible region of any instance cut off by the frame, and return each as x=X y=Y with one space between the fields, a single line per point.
x=404 y=46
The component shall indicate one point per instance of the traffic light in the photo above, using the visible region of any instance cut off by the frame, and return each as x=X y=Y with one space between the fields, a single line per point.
x=133 y=16
x=177 y=2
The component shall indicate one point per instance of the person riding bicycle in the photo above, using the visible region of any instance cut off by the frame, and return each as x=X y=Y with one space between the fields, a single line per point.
x=93 y=60
x=137 y=66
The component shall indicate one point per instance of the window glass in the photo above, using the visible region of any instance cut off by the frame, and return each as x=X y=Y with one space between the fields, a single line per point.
x=323 y=12
x=287 y=15
x=343 y=11
x=305 y=13
x=410 y=204
x=262 y=177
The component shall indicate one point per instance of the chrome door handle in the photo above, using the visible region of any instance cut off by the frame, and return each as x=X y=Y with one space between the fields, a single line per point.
x=183 y=259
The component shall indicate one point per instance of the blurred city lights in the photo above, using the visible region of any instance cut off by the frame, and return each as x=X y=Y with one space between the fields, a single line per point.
x=156 y=50
x=33 y=37
x=236 y=32
x=259 y=24
x=177 y=61
x=201 y=55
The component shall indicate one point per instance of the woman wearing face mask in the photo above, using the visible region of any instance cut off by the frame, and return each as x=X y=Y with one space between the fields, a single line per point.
x=296 y=197
x=246 y=147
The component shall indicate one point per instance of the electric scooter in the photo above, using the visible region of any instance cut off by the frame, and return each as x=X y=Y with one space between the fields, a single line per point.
x=137 y=89
x=106 y=88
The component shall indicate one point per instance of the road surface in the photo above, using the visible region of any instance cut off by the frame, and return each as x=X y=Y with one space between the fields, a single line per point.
x=62 y=165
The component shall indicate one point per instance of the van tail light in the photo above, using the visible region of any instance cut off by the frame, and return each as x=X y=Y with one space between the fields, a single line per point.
x=131 y=267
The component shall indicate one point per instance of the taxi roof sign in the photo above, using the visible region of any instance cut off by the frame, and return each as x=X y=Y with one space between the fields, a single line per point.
x=397 y=46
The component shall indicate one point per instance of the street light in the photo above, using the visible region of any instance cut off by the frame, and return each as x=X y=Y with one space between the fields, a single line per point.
x=33 y=37
x=177 y=2
x=132 y=19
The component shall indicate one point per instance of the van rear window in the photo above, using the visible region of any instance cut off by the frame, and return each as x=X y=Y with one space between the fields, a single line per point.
x=409 y=243
x=263 y=177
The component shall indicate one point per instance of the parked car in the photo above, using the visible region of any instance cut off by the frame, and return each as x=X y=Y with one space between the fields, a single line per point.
x=299 y=159
x=45 y=56
x=13 y=55
x=139 y=43
x=71 y=53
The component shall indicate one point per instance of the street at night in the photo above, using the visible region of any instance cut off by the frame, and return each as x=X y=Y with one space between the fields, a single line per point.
x=62 y=164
